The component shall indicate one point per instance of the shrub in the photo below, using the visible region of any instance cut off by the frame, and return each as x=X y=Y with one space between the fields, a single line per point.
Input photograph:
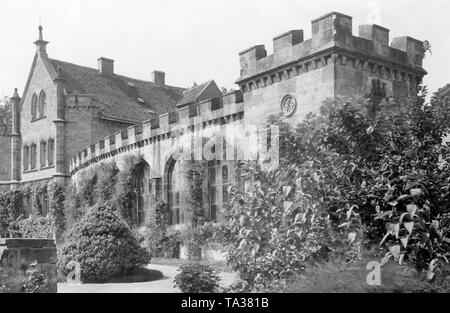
x=196 y=278
x=39 y=227
x=3 y=282
x=33 y=281
x=103 y=245
x=277 y=226
x=11 y=209
x=56 y=195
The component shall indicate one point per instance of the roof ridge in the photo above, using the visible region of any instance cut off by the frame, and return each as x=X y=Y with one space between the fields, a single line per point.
x=119 y=75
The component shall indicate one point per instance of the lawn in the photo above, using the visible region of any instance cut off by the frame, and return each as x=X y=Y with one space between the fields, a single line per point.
x=219 y=266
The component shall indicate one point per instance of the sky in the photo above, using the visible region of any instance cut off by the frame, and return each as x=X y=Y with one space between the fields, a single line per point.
x=195 y=40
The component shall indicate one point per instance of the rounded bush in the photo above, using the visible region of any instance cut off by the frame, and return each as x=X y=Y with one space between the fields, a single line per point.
x=196 y=278
x=104 y=246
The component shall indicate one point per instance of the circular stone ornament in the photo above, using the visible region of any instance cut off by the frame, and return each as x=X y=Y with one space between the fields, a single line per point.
x=288 y=105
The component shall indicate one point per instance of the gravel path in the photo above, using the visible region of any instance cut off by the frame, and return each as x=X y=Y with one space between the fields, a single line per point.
x=164 y=285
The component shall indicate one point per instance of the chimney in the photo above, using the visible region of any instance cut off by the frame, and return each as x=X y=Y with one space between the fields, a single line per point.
x=106 y=66
x=159 y=78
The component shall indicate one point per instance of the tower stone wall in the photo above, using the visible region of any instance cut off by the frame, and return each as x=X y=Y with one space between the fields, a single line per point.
x=332 y=63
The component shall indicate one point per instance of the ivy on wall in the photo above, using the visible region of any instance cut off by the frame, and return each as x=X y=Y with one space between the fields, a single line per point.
x=105 y=184
x=21 y=211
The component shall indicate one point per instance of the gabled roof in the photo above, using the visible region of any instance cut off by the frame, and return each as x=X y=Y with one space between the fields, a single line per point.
x=121 y=98
x=191 y=95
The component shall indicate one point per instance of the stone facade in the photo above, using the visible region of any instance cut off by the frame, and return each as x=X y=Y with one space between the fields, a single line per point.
x=332 y=63
x=126 y=117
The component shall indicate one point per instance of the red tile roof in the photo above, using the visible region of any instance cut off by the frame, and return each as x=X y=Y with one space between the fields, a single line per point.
x=120 y=97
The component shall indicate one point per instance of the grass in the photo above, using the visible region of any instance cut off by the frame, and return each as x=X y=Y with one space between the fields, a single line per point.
x=218 y=266
x=140 y=275
x=338 y=277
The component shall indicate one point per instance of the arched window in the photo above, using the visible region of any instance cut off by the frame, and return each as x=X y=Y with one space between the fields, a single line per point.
x=176 y=191
x=42 y=104
x=44 y=205
x=43 y=154
x=219 y=181
x=34 y=105
x=26 y=158
x=51 y=151
x=143 y=193
x=33 y=156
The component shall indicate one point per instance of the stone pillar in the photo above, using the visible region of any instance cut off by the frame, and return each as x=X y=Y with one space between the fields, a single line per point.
x=21 y=256
x=16 y=141
x=60 y=124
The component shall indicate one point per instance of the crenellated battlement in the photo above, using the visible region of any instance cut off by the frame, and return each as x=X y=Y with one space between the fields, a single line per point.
x=222 y=110
x=331 y=42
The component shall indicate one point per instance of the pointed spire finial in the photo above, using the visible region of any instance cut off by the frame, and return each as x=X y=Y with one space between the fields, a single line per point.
x=41 y=43
x=15 y=94
x=41 y=37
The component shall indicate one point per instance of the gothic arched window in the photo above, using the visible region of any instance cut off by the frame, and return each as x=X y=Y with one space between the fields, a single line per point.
x=219 y=181
x=143 y=193
x=26 y=158
x=42 y=104
x=43 y=154
x=176 y=191
x=33 y=156
x=34 y=106
x=51 y=151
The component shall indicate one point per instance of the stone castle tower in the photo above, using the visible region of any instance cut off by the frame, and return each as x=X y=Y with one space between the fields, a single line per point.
x=300 y=73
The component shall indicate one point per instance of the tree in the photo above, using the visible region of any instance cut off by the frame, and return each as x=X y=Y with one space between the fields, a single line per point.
x=351 y=177
x=5 y=111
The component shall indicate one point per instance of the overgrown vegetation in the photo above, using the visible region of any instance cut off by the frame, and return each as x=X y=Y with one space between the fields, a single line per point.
x=33 y=282
x=196 y=278
x=359 y=174
x=105 y=184
x=161 y=240
x=21 y=211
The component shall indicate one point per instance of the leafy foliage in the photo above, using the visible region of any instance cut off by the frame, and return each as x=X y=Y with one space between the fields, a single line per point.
x=39 y=227
x=196 y=278
x=192 y=233
x=5 y=111
x=159 y=239
x=103 y=245
x=33 y=281
x=358 y=174
x=276 y=226
x=11 y=209
x=56 y=196
x=126 y=186
x=339 y=276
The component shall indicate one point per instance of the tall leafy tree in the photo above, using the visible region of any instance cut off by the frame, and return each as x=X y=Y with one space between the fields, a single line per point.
x=5 y=111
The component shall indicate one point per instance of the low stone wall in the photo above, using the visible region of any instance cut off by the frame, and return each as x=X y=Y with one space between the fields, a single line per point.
x=17 y=256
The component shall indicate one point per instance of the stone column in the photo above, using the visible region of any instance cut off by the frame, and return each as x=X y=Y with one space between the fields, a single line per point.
x=16 y=141
x=60 y=124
